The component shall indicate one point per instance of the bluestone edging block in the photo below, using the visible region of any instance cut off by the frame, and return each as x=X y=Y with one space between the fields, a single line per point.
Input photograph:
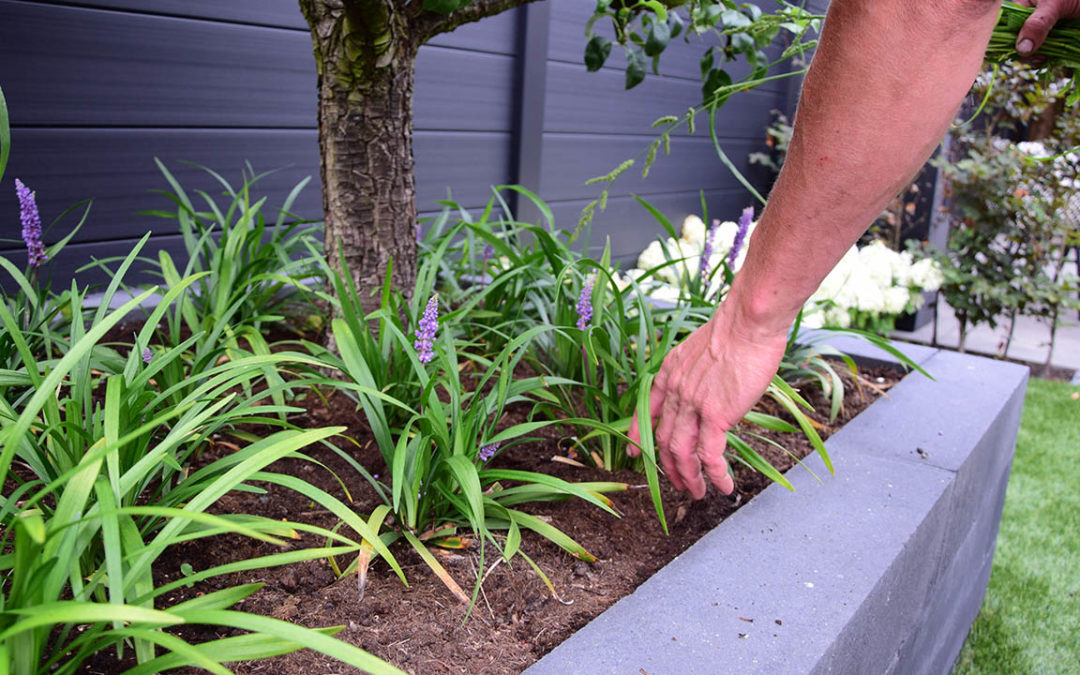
x=878 y=569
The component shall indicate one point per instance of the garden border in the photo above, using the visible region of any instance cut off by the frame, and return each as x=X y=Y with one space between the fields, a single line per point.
x=878 y=569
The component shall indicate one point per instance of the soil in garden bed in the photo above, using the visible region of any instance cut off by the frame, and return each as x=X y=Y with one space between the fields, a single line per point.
x=422 y=628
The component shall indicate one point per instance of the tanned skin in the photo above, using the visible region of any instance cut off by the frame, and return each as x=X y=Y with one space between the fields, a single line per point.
x=887 y=79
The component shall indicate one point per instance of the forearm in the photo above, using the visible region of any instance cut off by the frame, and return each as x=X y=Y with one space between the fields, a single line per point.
x=885 y=84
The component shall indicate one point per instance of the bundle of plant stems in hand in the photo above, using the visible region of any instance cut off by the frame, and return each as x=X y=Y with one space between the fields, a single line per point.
x=1061 y=48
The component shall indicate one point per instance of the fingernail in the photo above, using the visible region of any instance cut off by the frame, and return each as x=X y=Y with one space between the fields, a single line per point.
x=1025 y=46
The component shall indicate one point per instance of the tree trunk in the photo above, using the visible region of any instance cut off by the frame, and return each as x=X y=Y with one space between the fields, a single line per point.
x=365 y=58
x=365 y=52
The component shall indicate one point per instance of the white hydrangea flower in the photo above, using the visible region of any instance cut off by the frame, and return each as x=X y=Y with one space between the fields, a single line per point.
x=724 y=238
x=651 y=257
x=860 y=292
x=878 y=261
x=837 y=277
x=838 y=317
x=926 y=274
x=896 y=299
x=917 y=300
x=693 y=231
x=902 y=269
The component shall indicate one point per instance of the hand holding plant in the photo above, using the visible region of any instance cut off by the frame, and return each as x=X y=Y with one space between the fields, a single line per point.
x=1037 y=26
x=706 y=385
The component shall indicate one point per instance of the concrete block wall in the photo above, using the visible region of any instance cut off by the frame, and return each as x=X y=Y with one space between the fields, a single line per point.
x=878 y=569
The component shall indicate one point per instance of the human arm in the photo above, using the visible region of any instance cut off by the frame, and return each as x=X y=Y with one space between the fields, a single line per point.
x=885 y=83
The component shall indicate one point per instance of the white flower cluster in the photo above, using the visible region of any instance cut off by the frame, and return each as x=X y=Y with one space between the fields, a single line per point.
x=873 y=281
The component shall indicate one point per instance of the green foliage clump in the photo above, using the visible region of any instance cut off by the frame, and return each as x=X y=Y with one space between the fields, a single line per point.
x=1013 y=207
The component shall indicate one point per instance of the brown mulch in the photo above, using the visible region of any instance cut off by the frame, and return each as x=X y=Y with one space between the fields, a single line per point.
x=422 y=628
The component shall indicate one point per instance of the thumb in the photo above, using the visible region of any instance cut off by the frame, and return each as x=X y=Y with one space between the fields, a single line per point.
x=1037 y=27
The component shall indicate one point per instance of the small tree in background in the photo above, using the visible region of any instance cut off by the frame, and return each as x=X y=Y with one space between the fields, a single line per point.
x=1011 y=206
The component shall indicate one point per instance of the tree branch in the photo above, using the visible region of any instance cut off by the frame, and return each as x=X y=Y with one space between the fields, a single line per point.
x=426 y=25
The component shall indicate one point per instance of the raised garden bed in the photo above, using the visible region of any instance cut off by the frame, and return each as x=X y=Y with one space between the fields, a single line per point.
x=881 y=568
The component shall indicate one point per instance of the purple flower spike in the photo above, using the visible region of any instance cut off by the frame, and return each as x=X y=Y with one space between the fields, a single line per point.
x=425 y=334
x=706 y=253
x=489 y=251
x=31 y=224
x=488 y=451
x=584 y=303
x=147 y=355
x=740 y=236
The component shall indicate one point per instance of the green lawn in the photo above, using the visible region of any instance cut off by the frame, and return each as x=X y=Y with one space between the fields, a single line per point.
x=1030 y=619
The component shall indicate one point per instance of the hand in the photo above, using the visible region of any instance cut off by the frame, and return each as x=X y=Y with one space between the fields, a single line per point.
x=1038 y=25
x=704 y=388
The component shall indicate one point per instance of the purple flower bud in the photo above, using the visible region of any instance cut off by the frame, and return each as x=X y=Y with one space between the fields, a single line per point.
x=31 y=224
x=584 y=303
x=425 y=334
x=740 y=235
x=706 y=253
x=147 y=355
x=488 y=451
x=489 y=251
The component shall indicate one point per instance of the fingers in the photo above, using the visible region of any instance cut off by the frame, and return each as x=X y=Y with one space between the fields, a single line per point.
x=711 y=444
x=683 y=445
x=1037 y=26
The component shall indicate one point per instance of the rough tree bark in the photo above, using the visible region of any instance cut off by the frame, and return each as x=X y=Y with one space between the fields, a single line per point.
x=365 y=52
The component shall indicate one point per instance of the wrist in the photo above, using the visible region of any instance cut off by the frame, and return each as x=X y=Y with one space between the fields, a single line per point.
x=757 y=313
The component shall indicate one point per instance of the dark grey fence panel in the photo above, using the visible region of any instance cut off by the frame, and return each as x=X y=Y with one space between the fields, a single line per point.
x=468 y=164
x=90 y=256
x=463 y=90
x=115 y=168
x=496 y=34
x=571 y=159
x=87 y=67
x=570 y=110
x=97 y=88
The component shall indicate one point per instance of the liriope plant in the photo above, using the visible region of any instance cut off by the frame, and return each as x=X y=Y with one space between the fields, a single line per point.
x=96 y=455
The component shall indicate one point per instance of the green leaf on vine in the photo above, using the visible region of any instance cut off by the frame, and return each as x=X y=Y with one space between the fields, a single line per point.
x=635 y=67
x=596 y=53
